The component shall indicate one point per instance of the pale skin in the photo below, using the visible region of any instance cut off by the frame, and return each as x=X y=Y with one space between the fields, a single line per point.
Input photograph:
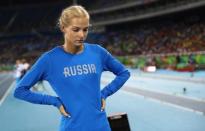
x=74 y=35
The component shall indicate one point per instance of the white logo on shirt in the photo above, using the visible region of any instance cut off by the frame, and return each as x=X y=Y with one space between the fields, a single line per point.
x=79 y=70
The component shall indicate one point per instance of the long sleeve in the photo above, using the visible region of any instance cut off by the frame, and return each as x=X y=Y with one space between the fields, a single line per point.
x=38 y=72
x=113 y=65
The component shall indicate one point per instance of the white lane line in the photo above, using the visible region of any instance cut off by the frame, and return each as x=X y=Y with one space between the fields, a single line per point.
x=169 y=77
x=160 y=76
x=161 y=102
x=157 y=91
x=7 y=93
x=165 y=103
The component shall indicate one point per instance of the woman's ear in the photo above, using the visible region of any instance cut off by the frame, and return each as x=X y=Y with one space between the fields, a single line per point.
x=62 y=28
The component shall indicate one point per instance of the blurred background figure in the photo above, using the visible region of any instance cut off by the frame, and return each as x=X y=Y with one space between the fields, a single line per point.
x=26 y=67
x=19 y=67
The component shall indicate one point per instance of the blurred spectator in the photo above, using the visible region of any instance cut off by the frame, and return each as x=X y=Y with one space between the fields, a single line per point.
x=19 y=67
x=26 y=67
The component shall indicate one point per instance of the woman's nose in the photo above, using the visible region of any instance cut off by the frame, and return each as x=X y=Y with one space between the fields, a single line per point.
x=81 y=34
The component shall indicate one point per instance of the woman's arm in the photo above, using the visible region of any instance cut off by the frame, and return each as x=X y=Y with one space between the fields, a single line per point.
x=122 y=74
x=38 y=72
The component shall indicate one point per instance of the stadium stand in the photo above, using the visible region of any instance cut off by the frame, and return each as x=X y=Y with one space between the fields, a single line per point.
x=135 y=31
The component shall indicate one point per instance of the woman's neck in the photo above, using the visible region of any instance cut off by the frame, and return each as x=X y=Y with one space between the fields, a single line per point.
x=73 y=49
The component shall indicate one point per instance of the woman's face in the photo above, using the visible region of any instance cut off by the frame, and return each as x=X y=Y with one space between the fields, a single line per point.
x=76 y=33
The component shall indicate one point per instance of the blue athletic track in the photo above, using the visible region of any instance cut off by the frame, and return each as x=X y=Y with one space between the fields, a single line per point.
x=153 y=101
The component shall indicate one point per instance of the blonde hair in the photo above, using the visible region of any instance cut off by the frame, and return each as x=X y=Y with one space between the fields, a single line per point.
x=71 y=12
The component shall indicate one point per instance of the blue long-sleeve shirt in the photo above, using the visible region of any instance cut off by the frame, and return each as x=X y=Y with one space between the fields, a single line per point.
x=76 y=80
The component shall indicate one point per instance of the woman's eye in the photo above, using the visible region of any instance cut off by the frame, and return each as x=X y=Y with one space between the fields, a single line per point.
x=85 y=30
x=75 y=30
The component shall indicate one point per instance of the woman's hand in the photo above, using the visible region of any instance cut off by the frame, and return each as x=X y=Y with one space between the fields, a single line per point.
x=63 y=112
x=103 y=105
